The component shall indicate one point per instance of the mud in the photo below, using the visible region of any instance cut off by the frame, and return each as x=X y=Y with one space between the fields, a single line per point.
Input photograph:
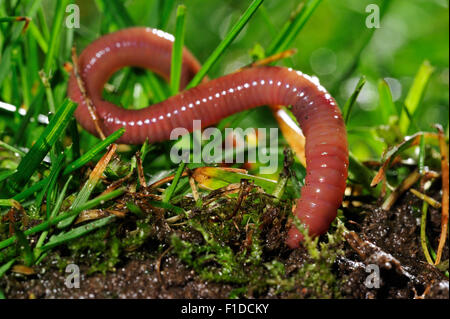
x=390 y=240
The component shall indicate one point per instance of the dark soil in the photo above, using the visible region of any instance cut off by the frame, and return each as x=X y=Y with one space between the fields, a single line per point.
x=387 y=239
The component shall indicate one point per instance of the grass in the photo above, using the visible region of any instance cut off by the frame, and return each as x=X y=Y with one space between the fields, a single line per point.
x=177 y=53
x=53 y=173
x=223 y=45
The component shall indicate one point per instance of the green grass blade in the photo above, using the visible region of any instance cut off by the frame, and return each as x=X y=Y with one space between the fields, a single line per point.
x=217 y=53
x=168 y=206
x=51 y=134
x=4 y=268
x=119 y=12
x=171 y=189
x=76 y=233
x=177 y=50
x=153 y=84
x=33 y=111
x=422 y=155
x=386 y=105
x=24 y=245
x=47 y=224
x=84 y=159
x=37 y=35
x=12 y=148
x=6 y=202
x=266 y=17
x=4 y=175
x=165 y=7
x=88 y=187
x=54 y=212
x=288 y=34
x=120 y=16
x=415 y=94
x=359 y=172
x=5 y=65
x=56 y=169
x=347 y=109
x=55 y=35
x=93 y=152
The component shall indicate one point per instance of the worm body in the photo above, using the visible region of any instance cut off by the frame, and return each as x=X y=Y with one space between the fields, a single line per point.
x=316 y=111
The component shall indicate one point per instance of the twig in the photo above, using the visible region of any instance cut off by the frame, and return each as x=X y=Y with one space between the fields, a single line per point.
x=194 y=188
x=403 y=187
x=270 y=59
x=445 y=193
x=86 y=98
x=140 y=170
x=423 y=235
x=158 y=265
x=426 y=198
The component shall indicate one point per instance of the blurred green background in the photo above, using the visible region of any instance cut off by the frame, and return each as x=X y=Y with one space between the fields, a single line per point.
x=334 y=45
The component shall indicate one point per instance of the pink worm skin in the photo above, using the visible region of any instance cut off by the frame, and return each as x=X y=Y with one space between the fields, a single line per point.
x=316 y=111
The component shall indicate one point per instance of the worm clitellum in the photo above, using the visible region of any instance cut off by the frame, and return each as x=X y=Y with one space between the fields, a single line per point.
x=316 y=111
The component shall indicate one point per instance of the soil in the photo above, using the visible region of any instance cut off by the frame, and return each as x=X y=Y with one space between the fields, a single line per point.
x=389 y=240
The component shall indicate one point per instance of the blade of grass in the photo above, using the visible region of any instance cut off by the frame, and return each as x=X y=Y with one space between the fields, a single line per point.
x=87 y=157
x=56 y=169
x=167 y=206
x=171 y=189
x=165 y=7
x=25 y=86
x=12 y=149
x=359 y=172
x=119 y=12
x=5 y=66
x=24 y=245
x=121 y=17
x=422 y=155
x=289 y=33
x=33 y=111
x=7 y=202
x=415 y=95
x=153 y=84
x=232 y=34
x=386 y=104
x=217 y=177
x=4 y=268
x=93 y=151
x=53 y=214
x=37 y=35
x=48 y=91
x=266 y=17
x=47 y=224
x=90 y=184
x=4 y=175
x=76 y=233
x=55 y=35
x=347 y=110
x=48 y=138
x=177 y=50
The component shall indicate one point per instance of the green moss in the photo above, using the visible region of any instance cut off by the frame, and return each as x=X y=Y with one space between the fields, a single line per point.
x=226 y=256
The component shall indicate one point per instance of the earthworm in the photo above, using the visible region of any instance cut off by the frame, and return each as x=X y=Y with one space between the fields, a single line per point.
x=316 y=111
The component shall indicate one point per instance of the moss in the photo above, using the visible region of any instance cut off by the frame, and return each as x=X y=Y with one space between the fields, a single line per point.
x=232 y=251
